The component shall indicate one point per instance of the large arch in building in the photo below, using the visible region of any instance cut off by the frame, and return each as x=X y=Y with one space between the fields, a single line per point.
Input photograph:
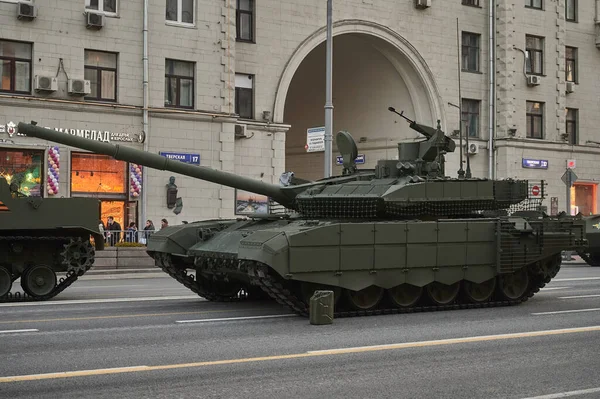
x=373 y=68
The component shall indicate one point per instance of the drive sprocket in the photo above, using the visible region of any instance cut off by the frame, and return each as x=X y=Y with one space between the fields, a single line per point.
x=78 y=256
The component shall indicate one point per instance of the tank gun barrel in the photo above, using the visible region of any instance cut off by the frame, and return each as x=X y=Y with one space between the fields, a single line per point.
x=155 y=161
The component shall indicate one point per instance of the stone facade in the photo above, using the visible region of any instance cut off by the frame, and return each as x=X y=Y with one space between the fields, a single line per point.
x=385 y=53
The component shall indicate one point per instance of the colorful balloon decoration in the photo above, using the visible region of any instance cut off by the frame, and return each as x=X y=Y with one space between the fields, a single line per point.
x=53 y=170
x=135 y=180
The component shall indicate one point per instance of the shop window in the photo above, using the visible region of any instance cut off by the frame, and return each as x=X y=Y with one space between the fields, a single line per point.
x=245 y=21
x=535 y=120
x=571 y=64
x=180 y=11
x=101 y=71
x=534 y=54
x=103 y=6
x=470 y=51
x=25 y=168
x=16 y=67
x=584 y=198
x=571 y=10
x=179 y=84
x=537 y=4
x=244 y=95
x=470 y=116
x=98 y=175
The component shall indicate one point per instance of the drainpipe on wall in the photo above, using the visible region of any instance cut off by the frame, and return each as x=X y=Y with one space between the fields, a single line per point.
x=492 y=93
x=145 y=134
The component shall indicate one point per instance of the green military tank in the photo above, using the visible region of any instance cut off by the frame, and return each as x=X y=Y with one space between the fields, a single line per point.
x=401 y=237
x=40 y=237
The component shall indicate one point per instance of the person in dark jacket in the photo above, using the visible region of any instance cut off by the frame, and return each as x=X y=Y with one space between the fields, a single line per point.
x=148 y=230
x=114 y=229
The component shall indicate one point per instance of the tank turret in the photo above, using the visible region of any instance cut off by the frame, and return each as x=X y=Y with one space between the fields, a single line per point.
x=413 y=184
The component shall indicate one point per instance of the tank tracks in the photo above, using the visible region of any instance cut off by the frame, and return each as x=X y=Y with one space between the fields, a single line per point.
x=276 y=288
x=62 y=283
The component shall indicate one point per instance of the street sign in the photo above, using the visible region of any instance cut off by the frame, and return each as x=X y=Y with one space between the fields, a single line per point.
x=535 y=190
x=571 y=163
x=360 y=159
x=569 y=177
x=193 y=159
x=315 y=139
x=534 y=163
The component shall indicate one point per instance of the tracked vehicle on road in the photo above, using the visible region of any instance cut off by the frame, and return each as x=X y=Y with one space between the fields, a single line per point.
x=401 y=237
x=40 y=237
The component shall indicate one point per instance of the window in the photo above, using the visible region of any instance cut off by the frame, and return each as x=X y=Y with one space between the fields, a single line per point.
x=474 y=3
x=571 y=64
x=105 y=6
x=16 y=67
x=535 y=119
x=534 y=4
x=244 y=21
x=470 y=116
x=571 y=10
x=181 y=11
x=572 y=126
x=179 y=84
x=470 y=52
x=534 y=52
x=101 y=71
x=244 y=94
x=25 y=168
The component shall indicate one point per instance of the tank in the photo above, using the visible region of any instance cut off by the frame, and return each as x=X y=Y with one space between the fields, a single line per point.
x=591 y=253
x=401 y=237
x=40 y=237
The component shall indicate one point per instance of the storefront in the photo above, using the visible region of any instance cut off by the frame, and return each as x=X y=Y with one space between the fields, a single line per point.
x=105 y=178
x=584 y=198
x=25 y=167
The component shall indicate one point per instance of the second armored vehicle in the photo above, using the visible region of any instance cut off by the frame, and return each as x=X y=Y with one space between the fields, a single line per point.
x=40 y=237
x=401 y=237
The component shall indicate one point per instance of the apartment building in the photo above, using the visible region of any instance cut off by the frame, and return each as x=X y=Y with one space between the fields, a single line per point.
x=238 y=85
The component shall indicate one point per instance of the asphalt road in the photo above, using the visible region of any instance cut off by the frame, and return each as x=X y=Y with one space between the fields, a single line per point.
x=157 y=340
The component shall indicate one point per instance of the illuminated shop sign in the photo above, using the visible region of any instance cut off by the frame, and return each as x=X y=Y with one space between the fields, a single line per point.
x=104 y=136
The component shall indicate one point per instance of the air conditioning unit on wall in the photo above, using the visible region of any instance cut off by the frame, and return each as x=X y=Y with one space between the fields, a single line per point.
x=94 y=20
x=570 y=87
x=422 y=3
x=26 y=11
x=473 y=148
x=241 y=132
x=533 y=80
x=79 y=87
x=45 y=83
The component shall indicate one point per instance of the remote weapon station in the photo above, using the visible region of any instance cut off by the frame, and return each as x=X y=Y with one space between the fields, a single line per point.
x=401 y=237
x=40 y=237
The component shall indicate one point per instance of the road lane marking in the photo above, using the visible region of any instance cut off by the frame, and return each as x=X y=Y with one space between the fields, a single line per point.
x=554 y=288
x=579 y=296
x=567 y=311
x=576 y=279
x=18 y=331
x=330 y=352
x=238 y=318
x=126 y=316
x=108 y=300
x=566 y=394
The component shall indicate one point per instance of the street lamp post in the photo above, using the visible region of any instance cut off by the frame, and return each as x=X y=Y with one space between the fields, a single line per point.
x=328 y=91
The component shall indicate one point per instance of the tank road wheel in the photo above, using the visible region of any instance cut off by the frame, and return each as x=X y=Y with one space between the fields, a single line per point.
x=365 y=299
x=38 y=280
x=405 y=295
x=512 y=286
x=5 y=281
x=479 y=292
x=442 y=294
